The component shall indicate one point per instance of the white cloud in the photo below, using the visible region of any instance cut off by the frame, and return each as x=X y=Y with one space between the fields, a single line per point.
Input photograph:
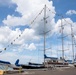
x=12 y=57
x=15 y=21
x=30 y=6
x=71 y=12
x=25 y=46
x=8 y=55
x=32 y=46
x=29 y=10
x=66 y=22
x=4 y=31
x=27 y=36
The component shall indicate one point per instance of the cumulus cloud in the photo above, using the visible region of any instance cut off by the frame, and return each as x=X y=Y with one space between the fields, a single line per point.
x=4 y=31
x=28 y=7
x=71 y=12
x=15 y=21
x=29 y=10
x=30 y=34
x=24 y=47
x=27 y=36
x=32 y=46
x=66 y=22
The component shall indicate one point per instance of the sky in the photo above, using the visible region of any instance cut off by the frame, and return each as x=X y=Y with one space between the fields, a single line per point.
x=22 y=28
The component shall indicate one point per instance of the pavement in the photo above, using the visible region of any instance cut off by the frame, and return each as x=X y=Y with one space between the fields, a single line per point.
x=56 y=71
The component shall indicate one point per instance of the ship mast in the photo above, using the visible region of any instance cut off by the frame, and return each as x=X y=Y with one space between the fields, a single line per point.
x=72 y=42
x=44 y=30
x=62 y=40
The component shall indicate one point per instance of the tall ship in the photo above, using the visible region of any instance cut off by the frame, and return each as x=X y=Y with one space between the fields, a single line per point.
x=47 y=61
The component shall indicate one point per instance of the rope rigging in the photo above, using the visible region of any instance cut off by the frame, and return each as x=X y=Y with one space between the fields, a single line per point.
x=22 y=32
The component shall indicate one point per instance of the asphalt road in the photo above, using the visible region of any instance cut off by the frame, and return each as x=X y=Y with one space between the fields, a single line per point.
x=59 y=71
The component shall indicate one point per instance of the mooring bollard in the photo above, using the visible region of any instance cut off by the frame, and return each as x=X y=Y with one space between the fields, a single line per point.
x=1 y=72
x=20 y=69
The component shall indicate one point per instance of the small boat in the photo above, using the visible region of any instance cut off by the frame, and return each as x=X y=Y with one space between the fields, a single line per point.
x=32 y=66
x=53 y=61
x=75 y=61
x=5 y=65
x=29 y=65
